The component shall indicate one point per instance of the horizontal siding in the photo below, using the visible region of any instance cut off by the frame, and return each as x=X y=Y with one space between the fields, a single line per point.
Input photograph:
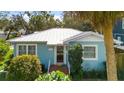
x=118 y=31
x=45 y=54
x=94 y=64
x=42 y=52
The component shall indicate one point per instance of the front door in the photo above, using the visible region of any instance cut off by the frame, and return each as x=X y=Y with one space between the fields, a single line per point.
x=60 y=54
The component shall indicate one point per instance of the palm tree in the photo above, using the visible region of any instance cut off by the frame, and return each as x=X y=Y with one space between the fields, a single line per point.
x=104 y=21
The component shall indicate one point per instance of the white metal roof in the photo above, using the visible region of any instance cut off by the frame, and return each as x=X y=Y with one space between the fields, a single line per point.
x=54 y=36
x=51 y=36
x=119 y=47
x=86 y=34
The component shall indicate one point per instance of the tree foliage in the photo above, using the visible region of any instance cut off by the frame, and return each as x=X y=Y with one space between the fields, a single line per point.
x=42 y=21
x=70 y=21
x=35 y=21
x=4 y=48
x=103 y=21
x=75 y=60
x=6 y=54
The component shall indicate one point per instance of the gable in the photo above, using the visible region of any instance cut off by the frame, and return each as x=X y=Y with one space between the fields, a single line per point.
x=90 y=38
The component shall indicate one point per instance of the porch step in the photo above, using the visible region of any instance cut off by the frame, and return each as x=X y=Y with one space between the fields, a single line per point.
x=62 y=68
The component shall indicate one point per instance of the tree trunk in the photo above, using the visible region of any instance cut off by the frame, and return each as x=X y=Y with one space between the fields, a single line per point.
x=8 y=34
x=110 y=54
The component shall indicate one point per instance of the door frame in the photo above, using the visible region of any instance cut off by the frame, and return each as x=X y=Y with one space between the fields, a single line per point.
x=64 y=54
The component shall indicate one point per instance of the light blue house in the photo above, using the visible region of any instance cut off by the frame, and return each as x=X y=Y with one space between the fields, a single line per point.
x=51 y=46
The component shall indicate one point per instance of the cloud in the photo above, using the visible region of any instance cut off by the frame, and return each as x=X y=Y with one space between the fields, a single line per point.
x=58 y=17
x=26 y=18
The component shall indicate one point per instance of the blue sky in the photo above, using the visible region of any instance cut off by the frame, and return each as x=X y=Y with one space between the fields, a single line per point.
x=57 y=14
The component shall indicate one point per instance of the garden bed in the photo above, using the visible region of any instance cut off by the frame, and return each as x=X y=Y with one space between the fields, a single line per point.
x=62 y=68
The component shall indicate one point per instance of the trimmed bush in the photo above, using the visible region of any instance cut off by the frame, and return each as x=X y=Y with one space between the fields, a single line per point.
x=24 y=68
x=53 y=76
x=75 y=60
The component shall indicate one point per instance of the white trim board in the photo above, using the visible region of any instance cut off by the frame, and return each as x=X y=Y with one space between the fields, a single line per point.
x=55 y=58
x=64 y=54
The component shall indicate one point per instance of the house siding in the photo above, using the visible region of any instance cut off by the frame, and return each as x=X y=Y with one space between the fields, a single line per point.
x=43 y=53
x=94 y=64
x=118 y=31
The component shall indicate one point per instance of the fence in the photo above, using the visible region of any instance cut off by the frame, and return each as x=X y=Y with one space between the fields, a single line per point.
x=120 y=65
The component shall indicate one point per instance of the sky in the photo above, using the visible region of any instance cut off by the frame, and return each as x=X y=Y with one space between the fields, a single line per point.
x=57 y=15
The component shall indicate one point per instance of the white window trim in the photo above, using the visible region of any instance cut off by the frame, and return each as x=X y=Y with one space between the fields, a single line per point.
x=64 y=54
x=96 y=48
x=17 y=48
x=55 y=49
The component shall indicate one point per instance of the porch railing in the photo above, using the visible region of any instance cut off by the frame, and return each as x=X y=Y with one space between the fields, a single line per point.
x=49 y=66
x=68 y=65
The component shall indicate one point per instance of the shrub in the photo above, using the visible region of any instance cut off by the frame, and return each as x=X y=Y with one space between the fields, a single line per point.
x=53 y=76
x=63 y=68
x=96 y=74
x=6 y=61
x=4 y=48
x=3 y=75
x=75 y=60
x=2 y=66
x=6 y=54
x=8 y=57
x=24 y=67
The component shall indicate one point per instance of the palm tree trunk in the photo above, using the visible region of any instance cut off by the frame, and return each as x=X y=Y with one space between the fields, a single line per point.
x=110 y=54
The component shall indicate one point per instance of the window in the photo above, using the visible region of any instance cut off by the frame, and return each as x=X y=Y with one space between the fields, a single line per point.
x=89 y=52
x=119 y=38
x=22 y=50
x=26 y=49
x=60 y=54
x=31 y=49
